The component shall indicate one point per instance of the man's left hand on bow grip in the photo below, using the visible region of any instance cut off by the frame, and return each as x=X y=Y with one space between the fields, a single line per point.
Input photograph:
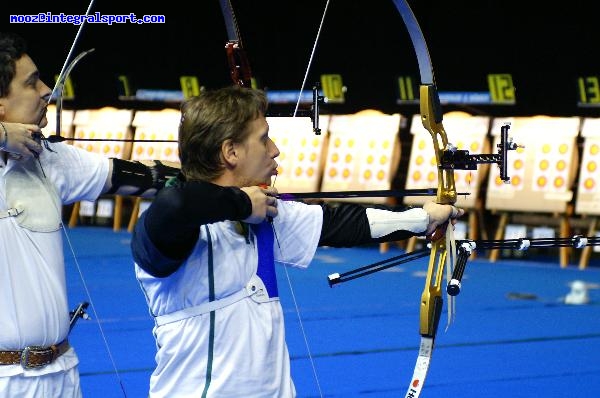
x=439 y=215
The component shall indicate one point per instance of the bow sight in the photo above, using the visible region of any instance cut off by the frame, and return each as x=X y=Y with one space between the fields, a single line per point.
x=453 y=158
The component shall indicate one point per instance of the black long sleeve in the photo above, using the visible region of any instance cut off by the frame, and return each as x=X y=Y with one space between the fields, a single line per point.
x=172 y=223
x=347 y=225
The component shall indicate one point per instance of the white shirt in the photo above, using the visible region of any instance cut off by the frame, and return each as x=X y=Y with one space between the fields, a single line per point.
x=33 y=294
x=247 y=339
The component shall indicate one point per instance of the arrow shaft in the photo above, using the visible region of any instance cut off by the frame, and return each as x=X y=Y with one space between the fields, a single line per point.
x=361 y=194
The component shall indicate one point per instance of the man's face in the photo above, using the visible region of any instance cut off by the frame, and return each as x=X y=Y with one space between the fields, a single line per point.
x=28 y=96
x=257 y=154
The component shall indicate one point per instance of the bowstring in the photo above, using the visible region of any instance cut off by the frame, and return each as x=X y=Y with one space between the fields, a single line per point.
x=87 y=292
x=297 y=308
x=287 y=274
x=93 y=307
x=62 y=225
x=310 y=59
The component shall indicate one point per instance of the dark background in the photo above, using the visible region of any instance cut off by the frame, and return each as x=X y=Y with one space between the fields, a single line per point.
x=366 y=42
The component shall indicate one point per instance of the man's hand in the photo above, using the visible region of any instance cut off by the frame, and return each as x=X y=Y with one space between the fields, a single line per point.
x=264 y=203
x=19 y=140
x=440 y=214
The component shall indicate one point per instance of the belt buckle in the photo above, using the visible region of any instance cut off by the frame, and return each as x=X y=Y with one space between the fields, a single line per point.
x=26 y=353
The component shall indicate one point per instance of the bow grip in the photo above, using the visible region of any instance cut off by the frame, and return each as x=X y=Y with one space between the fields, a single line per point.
x=439 y=232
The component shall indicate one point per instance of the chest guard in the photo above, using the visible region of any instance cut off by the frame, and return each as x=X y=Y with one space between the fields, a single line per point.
x=30 y=193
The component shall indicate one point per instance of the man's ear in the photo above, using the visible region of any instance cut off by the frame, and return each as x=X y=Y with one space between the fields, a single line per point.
x=229 y=153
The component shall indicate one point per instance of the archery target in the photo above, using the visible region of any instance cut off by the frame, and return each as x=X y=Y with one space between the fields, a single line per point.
x=588 y=191
x=105 y=123
x=551 y=173
x=156 y=125
x=363 y=153
x=542 y=170
x=300 y=153
x=465 y=132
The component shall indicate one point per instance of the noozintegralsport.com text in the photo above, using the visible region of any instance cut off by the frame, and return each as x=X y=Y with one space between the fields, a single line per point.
x=97 y=17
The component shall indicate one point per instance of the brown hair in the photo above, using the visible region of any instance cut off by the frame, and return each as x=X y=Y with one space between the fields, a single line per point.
x=209 y=119
x=12 y=47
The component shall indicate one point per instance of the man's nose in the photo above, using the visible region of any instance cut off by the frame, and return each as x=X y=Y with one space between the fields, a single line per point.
x=275 y=150
x=46 y=92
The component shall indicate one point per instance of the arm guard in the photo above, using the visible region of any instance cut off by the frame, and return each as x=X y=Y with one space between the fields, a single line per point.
x=138 y=175
x=349 y=225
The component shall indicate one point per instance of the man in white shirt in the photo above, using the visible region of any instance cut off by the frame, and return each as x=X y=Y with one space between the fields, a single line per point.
x=36 y=359
x=205 y=252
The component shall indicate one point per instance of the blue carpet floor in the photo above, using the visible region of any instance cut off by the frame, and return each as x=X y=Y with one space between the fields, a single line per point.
x=513 y=336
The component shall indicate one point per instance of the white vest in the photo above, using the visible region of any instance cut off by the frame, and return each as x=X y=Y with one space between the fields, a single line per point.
x=31 y=198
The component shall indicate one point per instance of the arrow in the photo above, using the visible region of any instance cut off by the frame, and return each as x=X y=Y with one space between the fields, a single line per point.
x=361 y=194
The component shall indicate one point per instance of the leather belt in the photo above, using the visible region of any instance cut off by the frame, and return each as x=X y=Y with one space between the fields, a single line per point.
x=33 y=357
